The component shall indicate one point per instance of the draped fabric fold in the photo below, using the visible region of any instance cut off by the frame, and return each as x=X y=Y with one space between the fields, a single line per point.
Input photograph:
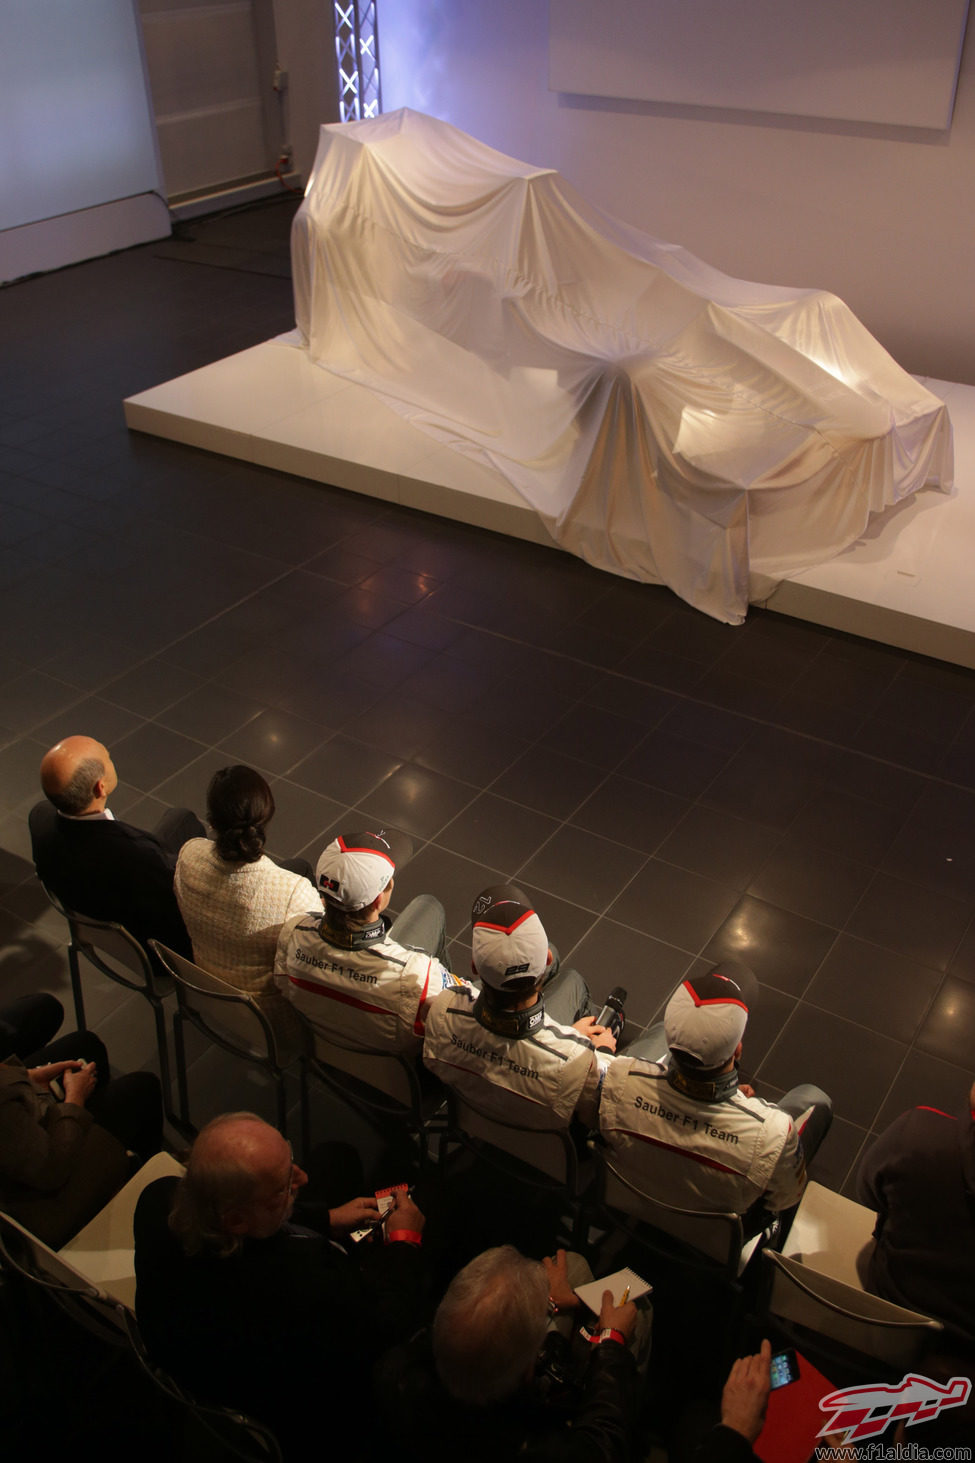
x=667 y=422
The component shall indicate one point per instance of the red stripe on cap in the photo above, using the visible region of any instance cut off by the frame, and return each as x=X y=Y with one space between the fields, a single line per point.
x=923 y=1108
x=713 y=1000
x=483 y=924
x=682 y=1152
x=361 y=848
x=321 y=990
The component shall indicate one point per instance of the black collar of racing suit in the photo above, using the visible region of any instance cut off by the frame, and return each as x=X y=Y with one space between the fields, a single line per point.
x=710 y=1089
x=360 y=938
x=510 y=1023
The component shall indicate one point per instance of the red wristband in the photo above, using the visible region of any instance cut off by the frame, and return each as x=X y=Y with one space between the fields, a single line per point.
x=404 y=1236
x=608 y=1334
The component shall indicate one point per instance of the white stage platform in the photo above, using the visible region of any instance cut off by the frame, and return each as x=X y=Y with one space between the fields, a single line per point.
x=909 y=582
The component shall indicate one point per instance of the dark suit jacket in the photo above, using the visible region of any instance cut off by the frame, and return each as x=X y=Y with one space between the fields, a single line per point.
x=109 y=870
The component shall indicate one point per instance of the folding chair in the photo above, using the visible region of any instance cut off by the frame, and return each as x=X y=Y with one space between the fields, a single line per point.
x=119 y=956
x=836 y=1324
x=383 y=1085
x=113 y=1322
x=104 y=1251
x=831 y=1234
x=690 y=1236
x=233 y=1021
x=542 y=1156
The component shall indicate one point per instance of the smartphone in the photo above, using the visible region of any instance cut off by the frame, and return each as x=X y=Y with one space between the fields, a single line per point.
x=785 y=1368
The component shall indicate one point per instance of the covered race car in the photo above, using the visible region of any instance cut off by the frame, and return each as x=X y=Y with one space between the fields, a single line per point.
x=667 y=422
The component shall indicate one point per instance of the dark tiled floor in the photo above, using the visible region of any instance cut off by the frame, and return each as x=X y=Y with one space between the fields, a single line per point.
x=666 y=787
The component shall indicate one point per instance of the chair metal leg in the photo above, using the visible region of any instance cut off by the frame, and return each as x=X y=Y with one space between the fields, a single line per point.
x=304 y=1109
x=175 y=1120
x=279 y=1084
x=179 y=1051
x=79 y=1003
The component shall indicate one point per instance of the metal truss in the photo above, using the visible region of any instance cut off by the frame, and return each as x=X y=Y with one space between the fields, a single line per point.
x=357 y=56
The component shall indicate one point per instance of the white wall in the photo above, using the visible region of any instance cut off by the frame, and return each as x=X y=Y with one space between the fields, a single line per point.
x=306 y=47
x=78 y=159
x=884 y=219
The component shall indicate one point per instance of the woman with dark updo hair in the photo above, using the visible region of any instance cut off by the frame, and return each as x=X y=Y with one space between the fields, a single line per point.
x=233 y=898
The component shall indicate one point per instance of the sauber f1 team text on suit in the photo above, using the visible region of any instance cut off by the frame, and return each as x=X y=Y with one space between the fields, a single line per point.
x=373 y=991
x=723 y=1155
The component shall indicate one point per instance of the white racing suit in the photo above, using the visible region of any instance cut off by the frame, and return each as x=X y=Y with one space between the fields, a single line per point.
x=548 y=1070
x=374 y=993
x=721 y=1156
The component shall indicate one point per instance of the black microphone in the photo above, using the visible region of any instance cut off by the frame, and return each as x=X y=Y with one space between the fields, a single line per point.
x=612 y=1015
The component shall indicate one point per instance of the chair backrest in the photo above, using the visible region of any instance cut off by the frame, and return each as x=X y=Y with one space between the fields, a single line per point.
x=226 y=1431
x=550 y=1152
x=854 y=1319
x=113 y=1322
x=715 y=1237
x=385 y=1081
x=830 y=1233
x=228 y=1016
x=36 y=1263
x=110 y=948
x=103 y=1253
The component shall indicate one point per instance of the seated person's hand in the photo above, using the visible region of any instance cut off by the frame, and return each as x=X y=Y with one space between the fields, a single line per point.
x=600 y=1036
x=41 y=1077
x=353 y=1215
x=745 y=1395
x=559 y=1289
x=617 y=1318
x=404 y=1214
x=79 y=1085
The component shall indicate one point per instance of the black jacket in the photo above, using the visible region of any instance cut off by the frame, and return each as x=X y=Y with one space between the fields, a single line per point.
x=109 y=870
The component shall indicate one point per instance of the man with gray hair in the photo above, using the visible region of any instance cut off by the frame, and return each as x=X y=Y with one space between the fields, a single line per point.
x=501 y=1369
x=93 y=862
x=251 y=1310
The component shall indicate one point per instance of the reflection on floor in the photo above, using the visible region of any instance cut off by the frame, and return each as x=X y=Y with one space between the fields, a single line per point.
x=668 y=788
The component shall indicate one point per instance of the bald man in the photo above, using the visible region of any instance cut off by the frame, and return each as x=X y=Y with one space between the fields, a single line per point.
x=96 y=864
x=249 y=1309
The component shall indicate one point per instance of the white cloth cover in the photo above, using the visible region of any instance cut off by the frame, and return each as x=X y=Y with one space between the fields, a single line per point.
x=668 y=423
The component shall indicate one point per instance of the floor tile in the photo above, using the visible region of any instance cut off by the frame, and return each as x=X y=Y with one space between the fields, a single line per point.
x=949 y=1029
x=920 y=923
x=594 y=736
x=718 y=845
x=464 y=747
x=548 y=781
x=580 y=867
x=273 y=740
x=611 y=954
x=926 y=1081
x=837 y=1154
x=300 y=817
x=630 y=812
x=783 y=949
x=419 y=801
x=148 y=688
x=673 y=762
x=875 y=987
x=813 y=882
x=455 y=880
x=497 y=832
x=674 y=905
x=152 y=754
x=852 y=1063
